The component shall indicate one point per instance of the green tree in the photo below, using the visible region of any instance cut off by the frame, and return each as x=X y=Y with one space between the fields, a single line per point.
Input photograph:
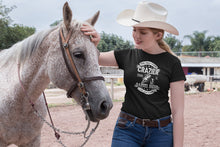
x=110 y=42
x=4 y=11
x=199 y=41
x=174 y=43
x=4 y=22
x=215 y=46
x=10 y=34
x=17 y=33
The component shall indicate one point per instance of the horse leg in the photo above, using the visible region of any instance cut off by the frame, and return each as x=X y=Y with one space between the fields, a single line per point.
x=33 y=143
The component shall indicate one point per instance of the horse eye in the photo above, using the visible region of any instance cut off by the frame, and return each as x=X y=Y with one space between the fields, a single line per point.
x=78 y=55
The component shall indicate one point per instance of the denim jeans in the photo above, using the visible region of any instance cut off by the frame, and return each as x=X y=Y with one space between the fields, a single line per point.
x=131 y=134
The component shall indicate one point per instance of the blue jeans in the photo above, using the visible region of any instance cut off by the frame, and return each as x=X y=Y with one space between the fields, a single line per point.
x=131 y=134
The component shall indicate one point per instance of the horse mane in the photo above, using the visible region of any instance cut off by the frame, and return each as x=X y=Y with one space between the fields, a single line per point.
x=22 y=50
x=31 y=44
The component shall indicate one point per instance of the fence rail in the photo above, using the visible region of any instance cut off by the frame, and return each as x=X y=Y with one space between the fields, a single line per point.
x=199 y=53
x=213 y=82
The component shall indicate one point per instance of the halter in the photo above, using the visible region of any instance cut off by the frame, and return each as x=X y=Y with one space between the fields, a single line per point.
x=74 y=72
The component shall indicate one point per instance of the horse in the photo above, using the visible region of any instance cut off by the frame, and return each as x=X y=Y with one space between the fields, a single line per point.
x=62 y=55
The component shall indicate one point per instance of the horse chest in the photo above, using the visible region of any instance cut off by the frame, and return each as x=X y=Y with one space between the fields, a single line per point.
x=18 y=125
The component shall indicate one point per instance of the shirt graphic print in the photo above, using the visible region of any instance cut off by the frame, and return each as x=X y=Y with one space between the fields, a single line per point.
x=148 y=72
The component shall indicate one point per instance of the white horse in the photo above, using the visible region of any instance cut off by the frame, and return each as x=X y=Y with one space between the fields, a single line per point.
x=38 y=60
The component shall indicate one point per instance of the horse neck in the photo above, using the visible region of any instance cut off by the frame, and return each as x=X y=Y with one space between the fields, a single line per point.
x=33 y=74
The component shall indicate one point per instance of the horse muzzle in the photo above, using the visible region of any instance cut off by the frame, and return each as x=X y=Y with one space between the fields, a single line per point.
x=101 y=112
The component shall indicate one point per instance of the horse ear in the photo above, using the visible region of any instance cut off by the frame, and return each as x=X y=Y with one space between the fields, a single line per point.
x=67 y=15
x=93 y=20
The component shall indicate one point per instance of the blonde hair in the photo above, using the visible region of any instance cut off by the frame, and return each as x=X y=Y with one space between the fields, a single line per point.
x=161 y=42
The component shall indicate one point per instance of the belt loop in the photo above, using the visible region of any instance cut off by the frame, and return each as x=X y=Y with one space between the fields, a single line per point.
x=158 y=122
x=135 y=118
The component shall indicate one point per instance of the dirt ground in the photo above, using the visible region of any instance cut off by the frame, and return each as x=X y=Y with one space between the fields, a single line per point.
x=202 y=122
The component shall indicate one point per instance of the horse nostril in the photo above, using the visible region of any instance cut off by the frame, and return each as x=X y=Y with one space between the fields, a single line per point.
x=104 y=107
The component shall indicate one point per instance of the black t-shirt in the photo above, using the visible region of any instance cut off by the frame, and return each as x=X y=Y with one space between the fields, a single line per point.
x=147 y=79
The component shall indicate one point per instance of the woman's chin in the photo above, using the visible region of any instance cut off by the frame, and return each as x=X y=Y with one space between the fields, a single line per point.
x=137 y=46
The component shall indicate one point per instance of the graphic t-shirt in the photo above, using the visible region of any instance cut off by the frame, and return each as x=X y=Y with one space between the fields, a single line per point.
x=147 y=79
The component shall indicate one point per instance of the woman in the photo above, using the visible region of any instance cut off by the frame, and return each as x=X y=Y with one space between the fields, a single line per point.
x=150 y=71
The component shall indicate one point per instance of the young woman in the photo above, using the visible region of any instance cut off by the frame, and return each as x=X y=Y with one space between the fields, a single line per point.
x=150 y=71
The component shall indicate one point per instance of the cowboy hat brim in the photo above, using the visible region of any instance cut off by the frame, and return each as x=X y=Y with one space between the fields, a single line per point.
x=126 y=18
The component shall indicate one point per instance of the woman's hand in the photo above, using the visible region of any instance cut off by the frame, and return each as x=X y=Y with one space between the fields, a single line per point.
x=105 y=58
x=90 y=31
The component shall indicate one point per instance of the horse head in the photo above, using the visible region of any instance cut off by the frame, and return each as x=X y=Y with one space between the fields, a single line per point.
x=73 y=66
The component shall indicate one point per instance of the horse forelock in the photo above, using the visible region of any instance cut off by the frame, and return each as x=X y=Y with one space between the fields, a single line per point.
x=75 y=25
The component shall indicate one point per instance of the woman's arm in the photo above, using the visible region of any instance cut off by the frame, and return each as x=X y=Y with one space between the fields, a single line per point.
x=105 y=58
x=177 y=107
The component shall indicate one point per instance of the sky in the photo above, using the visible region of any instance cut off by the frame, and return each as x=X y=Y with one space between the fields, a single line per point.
x=186 y=15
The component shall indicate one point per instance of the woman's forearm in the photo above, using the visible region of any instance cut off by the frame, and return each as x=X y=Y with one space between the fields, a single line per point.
x=178 y=129
x=177 y=103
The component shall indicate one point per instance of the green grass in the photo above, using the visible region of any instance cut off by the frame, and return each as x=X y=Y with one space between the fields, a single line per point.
x=115 y=84
x=61 y=105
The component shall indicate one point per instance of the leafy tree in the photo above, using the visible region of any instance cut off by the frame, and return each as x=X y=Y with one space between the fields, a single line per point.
x=4 y=22
x=199 y=41
x=215 y=46
x=110 y=42
x=4 y=11
x=17 y=33
x=174 y=43
x=10 y=34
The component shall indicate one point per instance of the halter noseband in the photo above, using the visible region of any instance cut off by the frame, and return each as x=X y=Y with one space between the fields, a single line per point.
x=74 y=73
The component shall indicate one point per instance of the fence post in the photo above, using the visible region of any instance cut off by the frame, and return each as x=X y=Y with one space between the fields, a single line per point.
x=112 y=88
x=211 y=82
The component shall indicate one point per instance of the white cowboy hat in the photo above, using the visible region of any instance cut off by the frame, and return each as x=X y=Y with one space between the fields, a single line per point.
x=147 y=14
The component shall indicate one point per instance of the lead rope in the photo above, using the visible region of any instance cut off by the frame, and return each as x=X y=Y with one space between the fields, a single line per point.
x=51 y=124
x=57 y=135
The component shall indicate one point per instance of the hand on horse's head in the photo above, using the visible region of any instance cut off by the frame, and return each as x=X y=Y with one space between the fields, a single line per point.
x=90 y=31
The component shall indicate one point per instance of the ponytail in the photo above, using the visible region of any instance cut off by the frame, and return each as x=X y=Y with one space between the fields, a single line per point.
x=165 y=46
x=161 y=42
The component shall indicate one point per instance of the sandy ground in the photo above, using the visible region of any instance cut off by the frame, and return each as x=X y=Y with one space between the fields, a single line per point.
x=202 y=121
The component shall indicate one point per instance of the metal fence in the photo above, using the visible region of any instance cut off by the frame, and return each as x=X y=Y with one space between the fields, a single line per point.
x=199 y=53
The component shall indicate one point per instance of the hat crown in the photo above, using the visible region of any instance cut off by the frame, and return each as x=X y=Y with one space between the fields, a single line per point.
x=147 y=14
x=147 y=11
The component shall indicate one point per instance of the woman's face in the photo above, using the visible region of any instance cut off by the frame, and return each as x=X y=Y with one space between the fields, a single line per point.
x=144 y=38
